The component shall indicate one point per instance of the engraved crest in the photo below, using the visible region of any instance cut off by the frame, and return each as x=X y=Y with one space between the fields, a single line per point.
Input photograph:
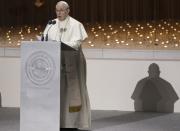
x=40 y=68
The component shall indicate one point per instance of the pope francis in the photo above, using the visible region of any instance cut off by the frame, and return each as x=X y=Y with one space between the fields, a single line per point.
x=75 y=105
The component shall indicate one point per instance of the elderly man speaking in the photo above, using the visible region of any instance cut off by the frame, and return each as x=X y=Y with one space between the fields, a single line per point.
x=75 y=105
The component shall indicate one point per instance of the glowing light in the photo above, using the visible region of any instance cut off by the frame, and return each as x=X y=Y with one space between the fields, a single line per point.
x=108 y=37
x=122 y=41
x=163 y=33
x=157 y=40
x=89 y=42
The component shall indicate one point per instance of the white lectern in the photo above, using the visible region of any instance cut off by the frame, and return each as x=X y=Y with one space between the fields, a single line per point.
x=40 y=86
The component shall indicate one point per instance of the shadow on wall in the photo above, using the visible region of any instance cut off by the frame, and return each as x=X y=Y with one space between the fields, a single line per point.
x=154 y=94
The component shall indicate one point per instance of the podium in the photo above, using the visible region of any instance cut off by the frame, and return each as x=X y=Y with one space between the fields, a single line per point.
x=40 y=85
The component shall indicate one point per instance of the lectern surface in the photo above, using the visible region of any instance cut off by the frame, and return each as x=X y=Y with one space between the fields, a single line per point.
x=40 y=86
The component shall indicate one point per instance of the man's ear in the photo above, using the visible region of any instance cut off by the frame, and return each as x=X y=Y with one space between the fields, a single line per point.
x=68 y=10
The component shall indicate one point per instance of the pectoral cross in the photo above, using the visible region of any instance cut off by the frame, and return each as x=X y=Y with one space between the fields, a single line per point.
x=63 y=30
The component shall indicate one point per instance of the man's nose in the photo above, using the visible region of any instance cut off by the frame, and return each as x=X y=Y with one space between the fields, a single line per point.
x=58 y=13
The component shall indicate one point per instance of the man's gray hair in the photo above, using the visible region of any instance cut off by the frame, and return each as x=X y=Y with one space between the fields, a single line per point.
x=64 y=3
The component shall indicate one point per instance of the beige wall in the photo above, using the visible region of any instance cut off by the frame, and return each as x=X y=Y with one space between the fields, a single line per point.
x=110 y=82
x=10 y=81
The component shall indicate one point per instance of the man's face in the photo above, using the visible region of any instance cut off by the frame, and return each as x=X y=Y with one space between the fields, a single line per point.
x=62 y=12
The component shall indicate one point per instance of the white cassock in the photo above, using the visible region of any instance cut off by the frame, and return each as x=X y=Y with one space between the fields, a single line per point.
x=75 y=105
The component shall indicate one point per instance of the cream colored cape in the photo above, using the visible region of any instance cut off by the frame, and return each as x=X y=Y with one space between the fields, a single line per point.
x=74 y=33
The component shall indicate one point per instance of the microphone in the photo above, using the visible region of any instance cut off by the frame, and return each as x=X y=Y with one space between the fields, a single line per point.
x=51 y=23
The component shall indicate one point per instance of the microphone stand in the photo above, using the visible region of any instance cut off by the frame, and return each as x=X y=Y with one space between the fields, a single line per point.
x=51 y=23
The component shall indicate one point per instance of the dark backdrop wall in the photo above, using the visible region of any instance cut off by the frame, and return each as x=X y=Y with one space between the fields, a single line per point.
x=19 y=12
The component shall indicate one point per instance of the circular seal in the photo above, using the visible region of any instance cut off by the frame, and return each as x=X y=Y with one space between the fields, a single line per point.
x=40 y=68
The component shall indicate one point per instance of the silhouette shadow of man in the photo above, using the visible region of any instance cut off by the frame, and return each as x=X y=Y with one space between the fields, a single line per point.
x=154 y=94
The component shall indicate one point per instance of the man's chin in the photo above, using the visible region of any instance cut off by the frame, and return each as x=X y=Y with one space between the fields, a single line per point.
x=61 y=19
